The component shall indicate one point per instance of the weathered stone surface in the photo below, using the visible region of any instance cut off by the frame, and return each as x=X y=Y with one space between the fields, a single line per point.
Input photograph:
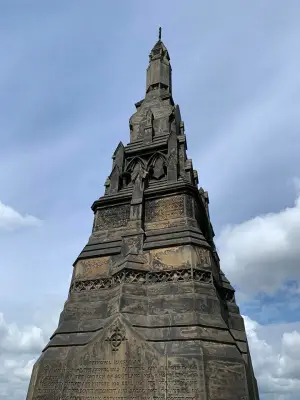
x=149 y=315
x=92 y=267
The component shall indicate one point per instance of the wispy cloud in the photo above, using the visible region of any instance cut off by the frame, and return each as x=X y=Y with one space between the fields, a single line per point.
x=11 y=220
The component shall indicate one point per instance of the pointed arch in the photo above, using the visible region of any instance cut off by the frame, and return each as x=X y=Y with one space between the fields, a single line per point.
x=136 y=160
x=154 y=157
x=157 y=165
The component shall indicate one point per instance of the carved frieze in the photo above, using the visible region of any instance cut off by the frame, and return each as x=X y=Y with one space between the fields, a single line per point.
x=142 y=278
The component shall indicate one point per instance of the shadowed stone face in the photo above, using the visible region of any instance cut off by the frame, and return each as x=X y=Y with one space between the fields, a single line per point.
x=149 y=315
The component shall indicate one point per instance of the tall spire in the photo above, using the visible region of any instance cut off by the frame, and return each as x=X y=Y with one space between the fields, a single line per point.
x=150 y=261
x=159 y=71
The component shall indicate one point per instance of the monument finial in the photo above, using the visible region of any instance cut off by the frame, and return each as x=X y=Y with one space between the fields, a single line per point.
x=159 y=33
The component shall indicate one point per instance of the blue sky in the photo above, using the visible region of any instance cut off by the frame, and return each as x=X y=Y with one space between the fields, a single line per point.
x=70 y=74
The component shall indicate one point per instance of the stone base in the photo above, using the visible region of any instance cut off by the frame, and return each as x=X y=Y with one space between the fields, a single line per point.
x=119 y=364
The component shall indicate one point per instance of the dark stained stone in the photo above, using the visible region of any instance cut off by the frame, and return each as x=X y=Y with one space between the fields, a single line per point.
x=149 y=314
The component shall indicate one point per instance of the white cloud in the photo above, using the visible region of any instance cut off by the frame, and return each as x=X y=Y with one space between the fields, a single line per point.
x=20 y=369
x=11 y=220
x=13 y=339
x=14 y=376
x=262 y=253
x=19 y=349
x=277 y=368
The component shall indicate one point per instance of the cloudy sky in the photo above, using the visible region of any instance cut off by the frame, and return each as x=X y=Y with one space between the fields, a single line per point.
x=70 y=74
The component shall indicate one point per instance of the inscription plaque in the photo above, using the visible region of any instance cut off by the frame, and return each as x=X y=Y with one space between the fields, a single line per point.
x=113 y=380
x=131 y=379
x=185 y=379
x=117 y=365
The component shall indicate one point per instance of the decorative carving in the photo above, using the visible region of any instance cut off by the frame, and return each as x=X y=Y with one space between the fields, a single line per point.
x=134 y=166
x=112 y=217
x=149 y=118
x=92 y=267
x=164 y=209
x=229 y=295
x=116 y=337
x=155 y=51
x=157 y=165
x=202 y=276
x=132 y=244
x=189 y=206
x=142 y=278
x=138 y=176
x=203 y=256
x=148 y=129
x=136 y=171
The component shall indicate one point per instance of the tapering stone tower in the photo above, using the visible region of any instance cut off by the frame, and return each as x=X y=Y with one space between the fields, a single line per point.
x=150 y=315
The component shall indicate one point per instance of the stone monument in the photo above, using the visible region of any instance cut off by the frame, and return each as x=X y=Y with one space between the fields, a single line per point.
x=150 y=315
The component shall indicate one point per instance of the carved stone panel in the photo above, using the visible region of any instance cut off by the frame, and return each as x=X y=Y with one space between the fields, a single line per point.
x=182 y=158
x=189 y=205
x=203 y=256
x=112 y=217
x=166 y=208
x=171 y=258
x=132 y=244
x=92 y=267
